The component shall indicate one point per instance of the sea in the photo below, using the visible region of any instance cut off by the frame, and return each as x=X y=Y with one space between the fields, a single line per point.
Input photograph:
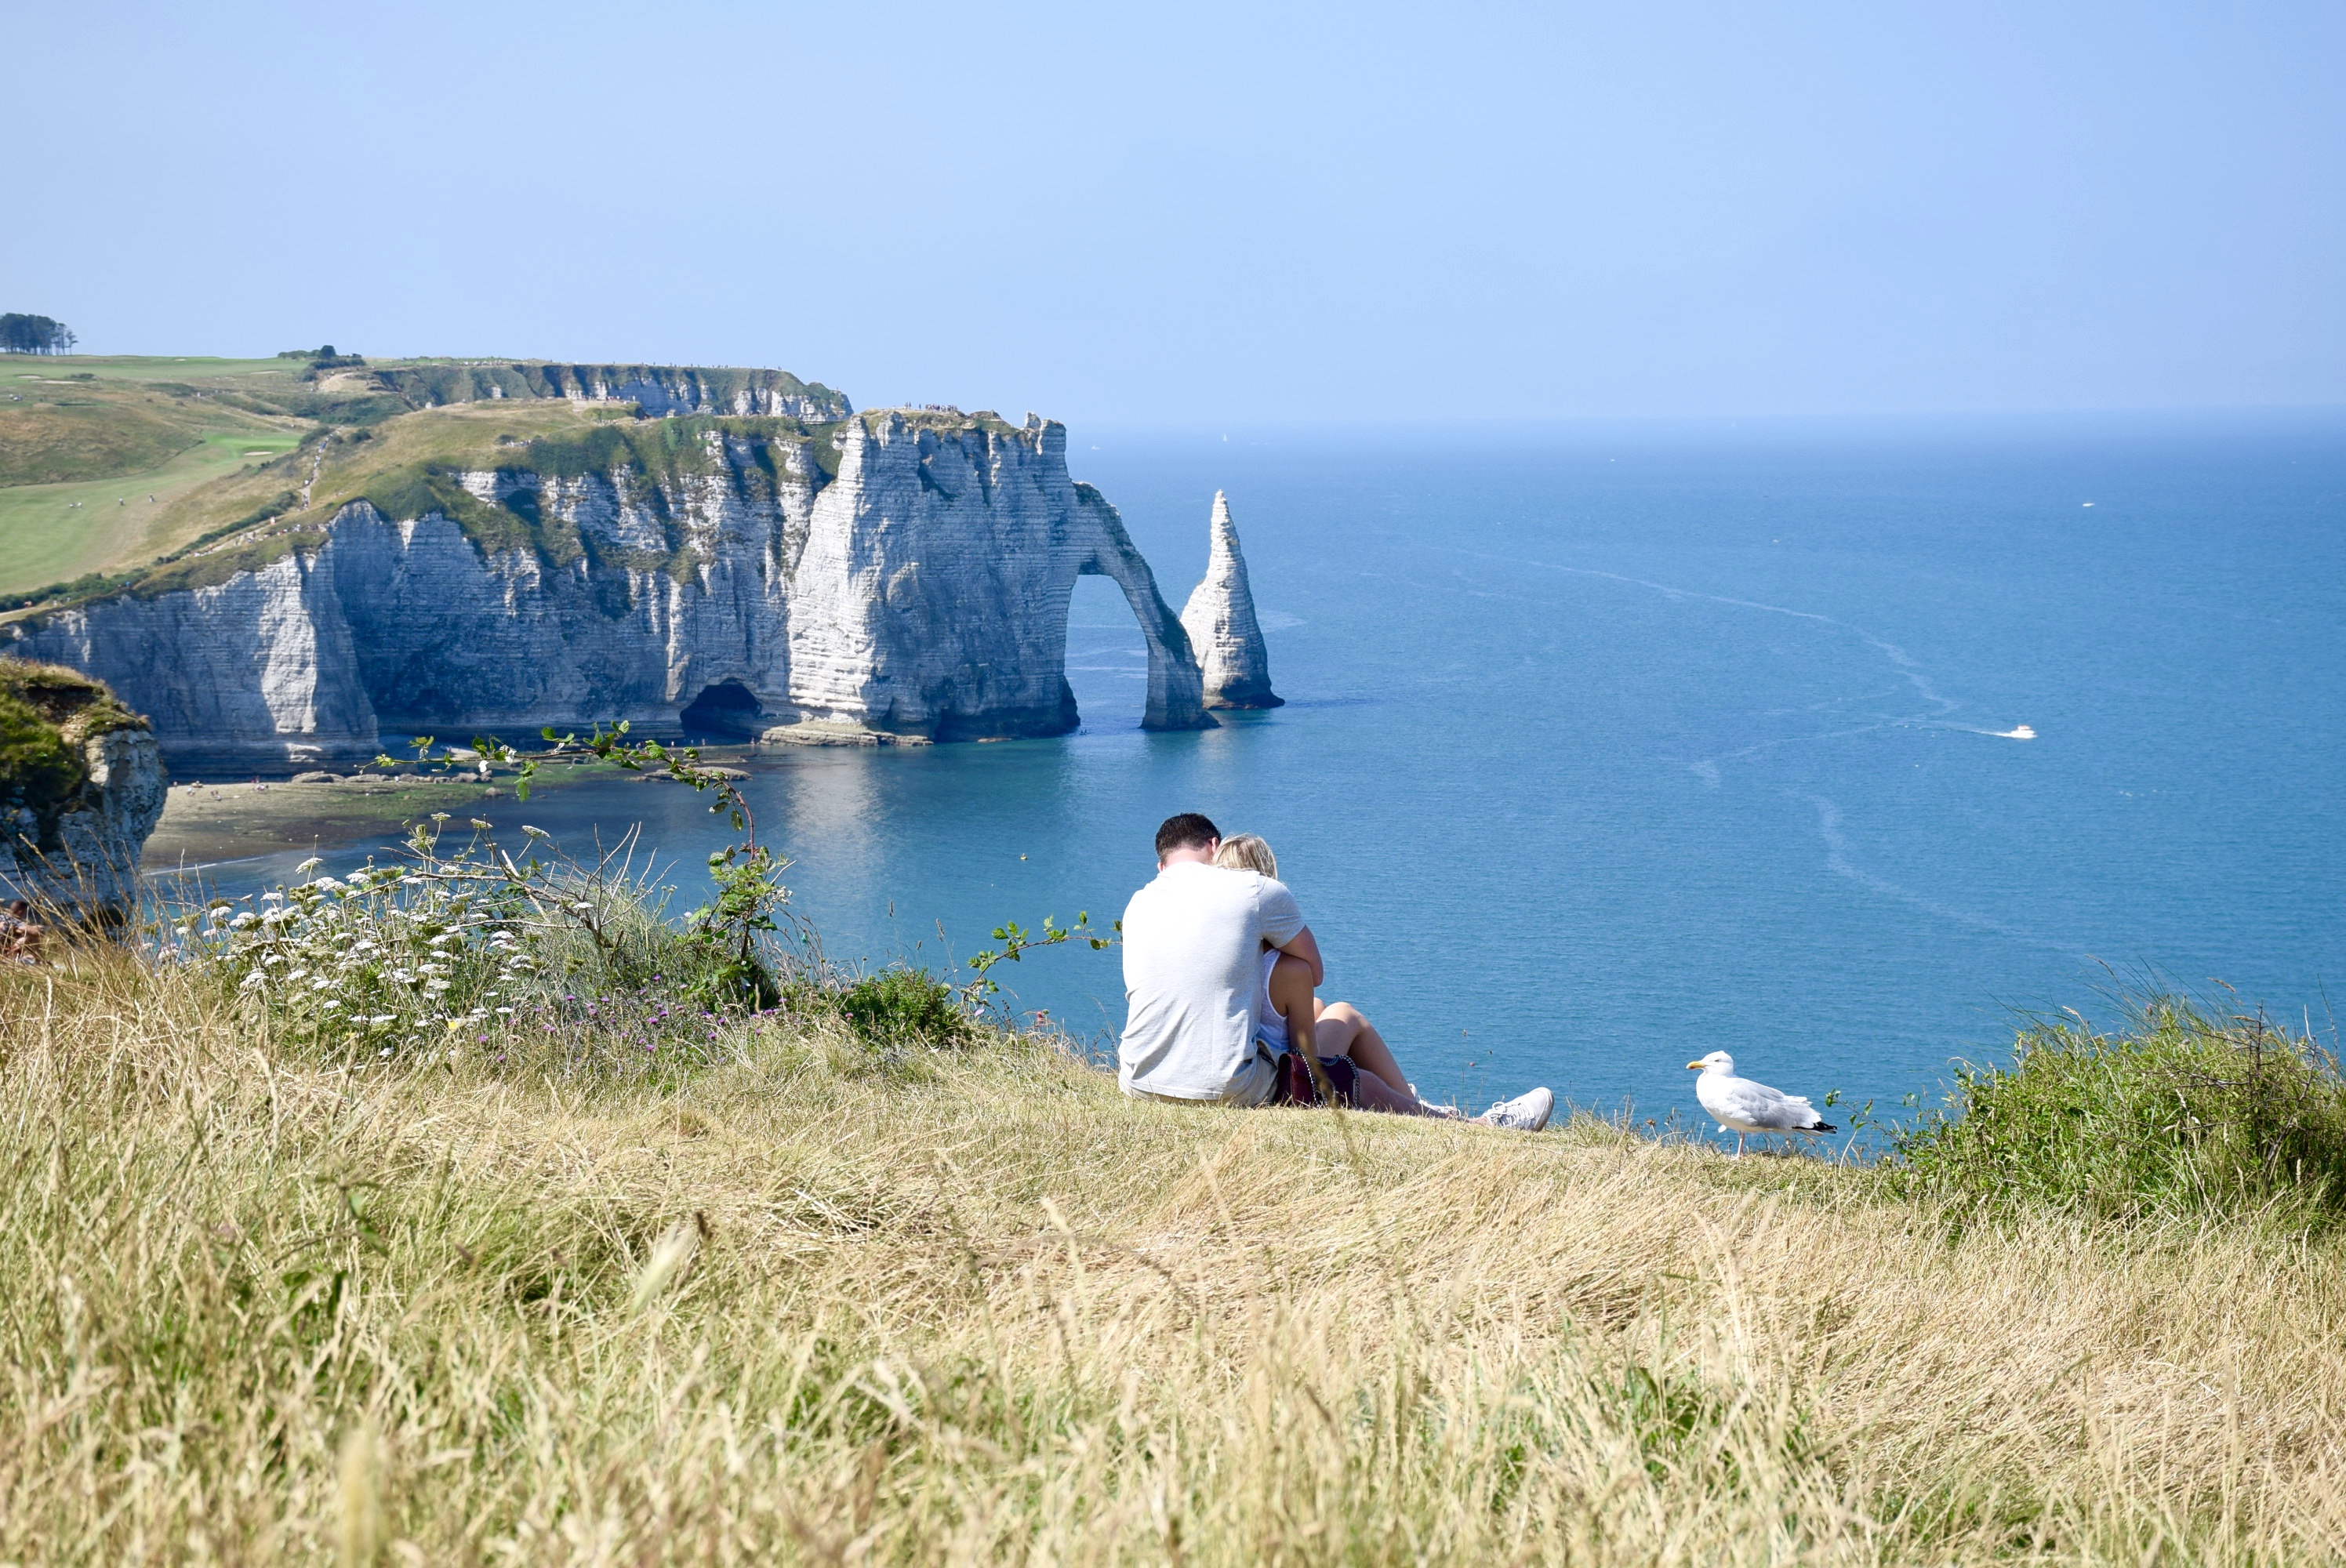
x=1844 y=747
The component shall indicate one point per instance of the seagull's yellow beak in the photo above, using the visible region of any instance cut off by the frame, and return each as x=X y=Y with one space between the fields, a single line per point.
x=1694 y=1064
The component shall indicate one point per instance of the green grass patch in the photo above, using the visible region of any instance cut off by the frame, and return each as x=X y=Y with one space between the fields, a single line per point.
x=59 y=440
x=46 y=712
x=900 y=1008
x=51 y=534
x=2181 y=1113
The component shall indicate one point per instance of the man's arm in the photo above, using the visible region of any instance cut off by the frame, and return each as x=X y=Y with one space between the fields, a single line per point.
x=1305 y=946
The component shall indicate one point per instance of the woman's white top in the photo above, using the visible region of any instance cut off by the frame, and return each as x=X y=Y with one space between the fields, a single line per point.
x=1268 y=1026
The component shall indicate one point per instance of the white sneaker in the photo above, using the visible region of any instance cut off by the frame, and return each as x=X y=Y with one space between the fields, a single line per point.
x=1524 y=1114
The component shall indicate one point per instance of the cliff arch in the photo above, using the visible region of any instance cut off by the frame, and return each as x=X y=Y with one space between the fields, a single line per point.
x=929 y=599
x=1176 y=686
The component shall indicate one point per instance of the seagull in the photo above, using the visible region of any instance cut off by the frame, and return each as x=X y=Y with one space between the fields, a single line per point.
x=1740 y=1106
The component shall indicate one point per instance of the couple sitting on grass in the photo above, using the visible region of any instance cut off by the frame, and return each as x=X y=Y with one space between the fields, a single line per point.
x=1219 y=975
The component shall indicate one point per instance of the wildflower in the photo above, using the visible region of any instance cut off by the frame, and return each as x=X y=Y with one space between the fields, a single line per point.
x=308 y=865
x=536 y=832
x=378 y=1020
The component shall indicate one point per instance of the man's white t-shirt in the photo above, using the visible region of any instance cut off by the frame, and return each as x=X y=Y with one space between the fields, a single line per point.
x=1192 y=970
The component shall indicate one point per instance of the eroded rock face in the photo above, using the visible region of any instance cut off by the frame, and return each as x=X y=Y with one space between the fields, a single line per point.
x=80 y=854
x=932 y=597
x=262 y=662
x=1219 y=619
x=921 y=594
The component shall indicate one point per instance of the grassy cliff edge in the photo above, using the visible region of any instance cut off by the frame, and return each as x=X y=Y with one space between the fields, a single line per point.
x=817 y=1302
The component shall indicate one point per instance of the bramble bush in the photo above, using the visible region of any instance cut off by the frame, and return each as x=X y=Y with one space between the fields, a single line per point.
x=901 y=1006
x=2180 y=1111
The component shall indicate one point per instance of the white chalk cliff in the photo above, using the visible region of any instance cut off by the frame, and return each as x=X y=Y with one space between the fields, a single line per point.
x=897 y=575
x=1221 y=621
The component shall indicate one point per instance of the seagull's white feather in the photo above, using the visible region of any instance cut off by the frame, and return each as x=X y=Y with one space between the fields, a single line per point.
x=1740 y=1106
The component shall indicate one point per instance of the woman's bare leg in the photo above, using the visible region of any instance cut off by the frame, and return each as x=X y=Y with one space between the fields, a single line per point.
x=1370 y=1093
x=1337 y=1031
x=1343 y=1032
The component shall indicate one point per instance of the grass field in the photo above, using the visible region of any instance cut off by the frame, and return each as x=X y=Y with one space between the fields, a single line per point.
x=814 y=1304
x=146 y=367
x=85 y=441
x=54 y=532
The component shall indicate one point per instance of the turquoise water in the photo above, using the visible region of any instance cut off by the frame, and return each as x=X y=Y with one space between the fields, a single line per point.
x=1608 y=747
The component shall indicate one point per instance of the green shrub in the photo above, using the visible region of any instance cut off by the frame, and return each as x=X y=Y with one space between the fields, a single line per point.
x=2178 y=1114
x=899 y=1007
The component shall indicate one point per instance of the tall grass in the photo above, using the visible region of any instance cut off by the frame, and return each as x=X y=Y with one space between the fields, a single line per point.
x=821 y=1304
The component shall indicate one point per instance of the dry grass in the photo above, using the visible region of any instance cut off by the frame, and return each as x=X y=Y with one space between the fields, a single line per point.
x=979 y=1309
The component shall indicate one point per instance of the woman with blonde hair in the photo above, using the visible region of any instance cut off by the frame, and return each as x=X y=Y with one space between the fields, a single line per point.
x=1338 y=1033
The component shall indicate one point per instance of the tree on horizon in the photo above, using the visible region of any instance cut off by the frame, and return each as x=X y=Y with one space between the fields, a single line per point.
x=23 y=334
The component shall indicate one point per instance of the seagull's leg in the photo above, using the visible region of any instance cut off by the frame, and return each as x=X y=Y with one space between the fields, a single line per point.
x=1739 y=1145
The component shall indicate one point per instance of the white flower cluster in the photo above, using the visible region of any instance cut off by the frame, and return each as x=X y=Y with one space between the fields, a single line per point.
x=382 y=956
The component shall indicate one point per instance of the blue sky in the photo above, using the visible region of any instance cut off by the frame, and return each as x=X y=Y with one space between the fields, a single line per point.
x=1198 y=213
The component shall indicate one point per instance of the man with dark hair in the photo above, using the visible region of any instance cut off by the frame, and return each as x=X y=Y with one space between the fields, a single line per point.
x=1193 y=944
x=1195 y=950
x=1188 y=830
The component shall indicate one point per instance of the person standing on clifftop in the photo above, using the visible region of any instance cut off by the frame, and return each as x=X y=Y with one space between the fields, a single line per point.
x=1194 y=941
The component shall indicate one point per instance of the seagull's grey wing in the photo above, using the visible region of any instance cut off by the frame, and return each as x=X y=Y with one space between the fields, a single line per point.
x=1768 y=1108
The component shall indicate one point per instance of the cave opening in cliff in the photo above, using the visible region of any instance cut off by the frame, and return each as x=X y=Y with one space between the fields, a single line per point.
x=728 y=710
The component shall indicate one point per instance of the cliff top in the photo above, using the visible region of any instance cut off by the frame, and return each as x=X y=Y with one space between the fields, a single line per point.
x=47 y=711
x=1028 y=1312
x=59 y=695
x=111 y=467
x=943 y=418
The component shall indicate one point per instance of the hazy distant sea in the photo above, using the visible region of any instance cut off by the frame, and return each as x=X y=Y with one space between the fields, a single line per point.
x=1606 y=746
